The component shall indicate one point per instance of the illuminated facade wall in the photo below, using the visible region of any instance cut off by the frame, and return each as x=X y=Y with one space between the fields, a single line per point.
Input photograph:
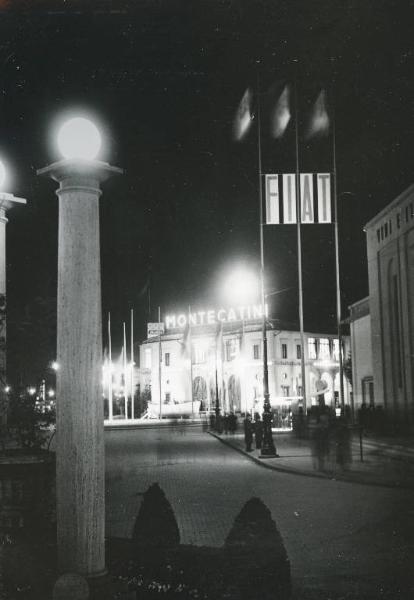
x=235 y=354
x=390 y=248
x=361 y=353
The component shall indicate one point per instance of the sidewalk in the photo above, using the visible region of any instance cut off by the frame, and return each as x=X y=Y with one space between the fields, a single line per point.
x=386 y=462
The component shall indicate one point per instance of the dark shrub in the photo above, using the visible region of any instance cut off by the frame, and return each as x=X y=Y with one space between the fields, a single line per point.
x=255 y=554
x=155 y=526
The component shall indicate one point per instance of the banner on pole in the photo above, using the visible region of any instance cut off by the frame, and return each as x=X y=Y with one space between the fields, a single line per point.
x=315 y=198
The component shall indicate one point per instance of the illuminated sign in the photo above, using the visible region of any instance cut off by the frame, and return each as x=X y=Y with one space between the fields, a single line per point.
x=281 y=198
x=155 y=329
x=213 y=317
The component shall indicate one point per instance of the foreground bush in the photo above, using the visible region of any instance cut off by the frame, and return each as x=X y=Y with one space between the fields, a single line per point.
x=156 y=526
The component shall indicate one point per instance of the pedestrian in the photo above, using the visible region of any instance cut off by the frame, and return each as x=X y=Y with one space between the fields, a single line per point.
x=232 y=422
x=226 y=423
x=258 y=431
x=321 y=439
x=248 y=433
x=343 y=444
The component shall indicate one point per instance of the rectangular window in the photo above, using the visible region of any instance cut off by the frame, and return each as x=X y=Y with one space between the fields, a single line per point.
x=284 y=351
x=397 y=330
x=147 y=359
x=256 y=351
x=232 y=349
x=199 y=354
x=285 y=390
x=298 y=351
x=324 y=352
x=312 y=348
x=335 y=350
x=167 y=397
x=167 y=359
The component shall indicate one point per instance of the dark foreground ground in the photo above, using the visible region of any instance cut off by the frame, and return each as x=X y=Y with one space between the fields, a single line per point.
x=344 y=539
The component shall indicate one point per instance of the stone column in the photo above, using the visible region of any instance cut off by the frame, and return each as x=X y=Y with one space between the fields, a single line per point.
x=6 y=201
x=79 y=404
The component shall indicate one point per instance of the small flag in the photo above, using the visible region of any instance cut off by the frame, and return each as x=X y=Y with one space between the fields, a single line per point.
x=280 y=115
x=244 y=117
x=319 y=121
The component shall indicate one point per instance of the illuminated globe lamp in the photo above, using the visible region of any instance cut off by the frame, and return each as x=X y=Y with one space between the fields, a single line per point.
x=80 y=506
x=79 y=138
x=7 y=200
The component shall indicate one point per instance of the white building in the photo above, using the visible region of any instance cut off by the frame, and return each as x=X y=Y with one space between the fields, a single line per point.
x=361 y=354
x=390 y=249
x=197 y=358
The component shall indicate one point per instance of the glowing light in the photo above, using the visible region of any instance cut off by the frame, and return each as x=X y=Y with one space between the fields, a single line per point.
x=7 y=389
x=32 y=391
x=51 y=393
x=79 y=138
x=3 y=174
x=55 y=365
x=241 y=286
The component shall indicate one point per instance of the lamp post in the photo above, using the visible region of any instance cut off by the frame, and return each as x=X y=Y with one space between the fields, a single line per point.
x=6 y=201
x=243 y=285
x=79 y=412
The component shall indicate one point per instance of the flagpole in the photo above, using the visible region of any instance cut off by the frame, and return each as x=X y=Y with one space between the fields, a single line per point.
x=132 y=364
x=299 y=251
x=125 y=375
x=191 y=362
x=217 y=407
x=268 y=447
x=337 y=273
x=159 y=358
x=110 y=401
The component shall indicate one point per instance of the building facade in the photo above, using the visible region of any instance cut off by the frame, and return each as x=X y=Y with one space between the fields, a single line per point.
x=361 y=355
x=390 y=249
x=189 y=366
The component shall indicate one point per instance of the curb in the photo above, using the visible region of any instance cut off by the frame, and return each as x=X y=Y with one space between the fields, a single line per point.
x=314 y=474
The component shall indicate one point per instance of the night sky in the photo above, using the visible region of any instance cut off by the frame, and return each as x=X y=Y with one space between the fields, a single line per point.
x=164 y=78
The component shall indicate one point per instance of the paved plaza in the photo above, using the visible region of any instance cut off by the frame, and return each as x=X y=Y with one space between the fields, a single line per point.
x=343 y=537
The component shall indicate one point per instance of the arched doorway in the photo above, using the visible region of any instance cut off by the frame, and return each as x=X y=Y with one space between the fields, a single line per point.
x=234 y=394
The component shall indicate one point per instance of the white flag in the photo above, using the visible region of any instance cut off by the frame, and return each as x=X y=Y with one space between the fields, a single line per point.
x=244 y=117
x=280 y=116
x=319 y=121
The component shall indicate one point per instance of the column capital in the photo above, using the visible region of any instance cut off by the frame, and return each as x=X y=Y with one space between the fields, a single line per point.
x=72 y=170
x=7 y=201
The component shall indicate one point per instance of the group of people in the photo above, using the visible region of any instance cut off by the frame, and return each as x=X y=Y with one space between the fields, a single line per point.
x=226 y=423
x=331 y=440
x=253 y=429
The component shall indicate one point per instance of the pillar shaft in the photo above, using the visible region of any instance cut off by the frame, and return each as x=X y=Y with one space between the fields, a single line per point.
x=79 y=404
x=3 y=395
x=6 y=201
x=80 y=451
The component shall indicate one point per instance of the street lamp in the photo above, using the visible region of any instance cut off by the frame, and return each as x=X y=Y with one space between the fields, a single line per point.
x=244 y=285
x=79 y=420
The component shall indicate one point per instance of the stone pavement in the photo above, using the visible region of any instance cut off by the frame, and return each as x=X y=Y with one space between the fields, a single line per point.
x=385 y=461
x=344 y=540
